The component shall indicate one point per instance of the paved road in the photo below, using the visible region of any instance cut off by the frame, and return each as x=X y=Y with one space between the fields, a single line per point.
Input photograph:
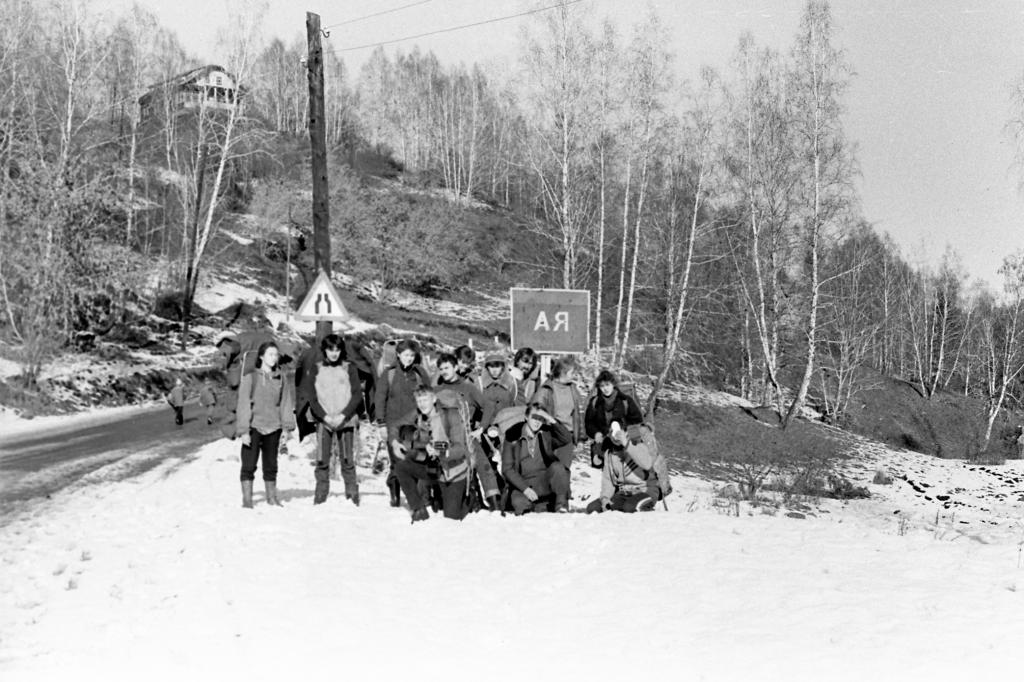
x=36 y=465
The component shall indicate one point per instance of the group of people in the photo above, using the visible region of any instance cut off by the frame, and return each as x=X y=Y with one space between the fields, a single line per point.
x=458 y=439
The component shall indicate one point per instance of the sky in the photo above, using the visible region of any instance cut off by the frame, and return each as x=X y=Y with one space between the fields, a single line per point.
x=927 y=107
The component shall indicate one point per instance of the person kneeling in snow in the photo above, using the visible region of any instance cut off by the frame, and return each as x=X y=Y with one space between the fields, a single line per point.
x=432 y=450
x=530 y=464
x=628 y=480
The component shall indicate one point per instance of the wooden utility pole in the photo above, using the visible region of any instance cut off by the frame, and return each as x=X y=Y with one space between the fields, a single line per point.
x=318 y=143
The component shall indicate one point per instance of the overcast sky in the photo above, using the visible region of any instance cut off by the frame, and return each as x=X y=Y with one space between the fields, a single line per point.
x=928 y=105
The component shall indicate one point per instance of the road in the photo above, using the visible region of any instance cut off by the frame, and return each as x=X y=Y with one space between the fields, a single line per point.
x=37 y=464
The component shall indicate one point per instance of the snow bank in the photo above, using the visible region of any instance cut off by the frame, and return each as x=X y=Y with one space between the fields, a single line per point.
x=165 y=573
x=13 y=425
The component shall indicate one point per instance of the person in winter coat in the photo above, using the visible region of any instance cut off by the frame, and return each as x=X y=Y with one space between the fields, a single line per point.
x=266 y=408
x=176 y=399
x=432 y=450
x=627 y=480
x=208 y=399
x=539 y=481
x=608 y=405
x=560 y=398
x=332 y=392
x=497 y=389
x=449 y=377
x=525 y=371
x=395 y=404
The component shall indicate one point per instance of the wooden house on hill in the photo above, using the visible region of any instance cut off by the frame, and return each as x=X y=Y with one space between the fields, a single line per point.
x=205 y=87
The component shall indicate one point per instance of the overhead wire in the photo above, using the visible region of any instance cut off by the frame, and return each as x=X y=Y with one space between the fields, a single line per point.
x=376 y=14
x=449 y=29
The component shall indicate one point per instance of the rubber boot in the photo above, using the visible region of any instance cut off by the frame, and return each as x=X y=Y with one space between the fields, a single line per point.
x=271 y=488
x=494 y=503
x=320 y=492
x=247 y=494
x=395 y=491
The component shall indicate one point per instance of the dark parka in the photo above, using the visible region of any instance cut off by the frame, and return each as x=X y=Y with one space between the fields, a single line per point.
x=395 y=403
x=497 y=394
x=599 y=417
x=518 y=467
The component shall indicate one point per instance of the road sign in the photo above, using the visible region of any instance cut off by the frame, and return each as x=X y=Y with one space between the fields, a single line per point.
x=322 y=302
x=551 y=320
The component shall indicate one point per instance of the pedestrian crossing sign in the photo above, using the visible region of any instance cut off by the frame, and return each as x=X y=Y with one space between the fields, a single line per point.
x=322 y=303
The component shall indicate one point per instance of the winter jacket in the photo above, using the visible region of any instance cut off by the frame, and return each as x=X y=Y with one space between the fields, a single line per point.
x=497 y=394
x=266 y=402
x=601 y=412
x=521 y=464
x=177 y=396
x=332 y=391
x=626 y=469
x=562 y=401
x=469 y=392
x=394 y=399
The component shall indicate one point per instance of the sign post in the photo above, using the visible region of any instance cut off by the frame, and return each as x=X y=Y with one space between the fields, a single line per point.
x=550 y=321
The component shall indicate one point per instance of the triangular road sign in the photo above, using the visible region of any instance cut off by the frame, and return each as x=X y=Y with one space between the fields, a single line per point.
x=322 y=302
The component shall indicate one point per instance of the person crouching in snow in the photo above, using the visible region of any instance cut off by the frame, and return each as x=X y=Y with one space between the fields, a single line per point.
x=628 y=482
x=608 y=405
x=266 y=407
x=432 y=450
x=176 y=399
x=530 y=465
x=332 y=390
x=208 y=399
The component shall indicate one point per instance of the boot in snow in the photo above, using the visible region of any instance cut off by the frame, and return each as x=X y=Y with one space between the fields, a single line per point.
x=271 y=487
x=494 y=503
x=247 y=494
x=420 y=514
x=320 y=492
x=354 y=496
x=395 y=490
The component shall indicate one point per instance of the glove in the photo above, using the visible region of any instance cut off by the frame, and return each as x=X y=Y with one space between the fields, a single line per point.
x=246 y=439
x=530 y=494
x=398 y=449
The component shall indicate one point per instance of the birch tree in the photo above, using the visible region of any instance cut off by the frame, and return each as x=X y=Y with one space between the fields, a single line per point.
x=558 y=72
x=820 y=78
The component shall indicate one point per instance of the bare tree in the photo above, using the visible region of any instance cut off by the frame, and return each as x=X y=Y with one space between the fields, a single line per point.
x=558 y=71
x=701 y=141
x=821 y=75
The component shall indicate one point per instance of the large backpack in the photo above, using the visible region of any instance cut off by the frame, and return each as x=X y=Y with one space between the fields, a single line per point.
x=453 y=408
x=388 y=357
x=660 y=466
x=576 y=427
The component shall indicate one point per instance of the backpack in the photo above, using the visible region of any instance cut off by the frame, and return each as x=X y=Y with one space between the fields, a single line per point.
x=454 y=409
x=388 y=357
x=660 y=465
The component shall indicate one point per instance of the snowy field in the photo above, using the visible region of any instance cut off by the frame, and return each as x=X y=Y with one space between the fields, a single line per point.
x=165 y=575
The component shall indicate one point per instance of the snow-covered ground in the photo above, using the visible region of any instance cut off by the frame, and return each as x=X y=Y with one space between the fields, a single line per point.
x=165 y=575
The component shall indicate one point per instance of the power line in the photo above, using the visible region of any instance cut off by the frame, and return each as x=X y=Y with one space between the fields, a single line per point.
x=459 y=28
x=376 y=14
